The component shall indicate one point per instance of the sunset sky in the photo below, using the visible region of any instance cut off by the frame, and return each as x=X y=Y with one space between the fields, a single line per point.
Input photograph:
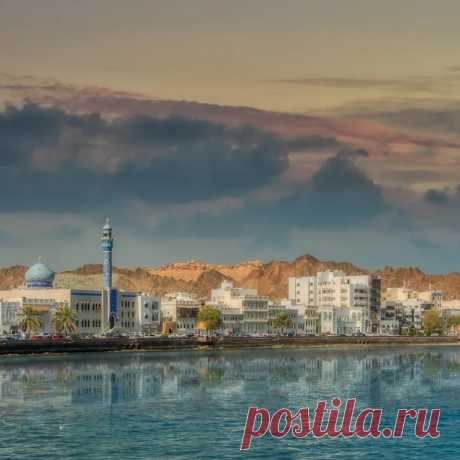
x=230 y=130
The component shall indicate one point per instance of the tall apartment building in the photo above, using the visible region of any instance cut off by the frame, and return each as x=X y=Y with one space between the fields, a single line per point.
x=345 y=304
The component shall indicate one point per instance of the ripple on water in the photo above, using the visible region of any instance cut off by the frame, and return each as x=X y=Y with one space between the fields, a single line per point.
x=193 y=404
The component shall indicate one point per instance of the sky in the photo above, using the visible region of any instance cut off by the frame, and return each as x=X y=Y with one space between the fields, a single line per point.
x=227 y=131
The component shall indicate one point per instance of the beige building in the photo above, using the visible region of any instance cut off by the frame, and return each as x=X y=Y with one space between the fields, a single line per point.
x=181 y=309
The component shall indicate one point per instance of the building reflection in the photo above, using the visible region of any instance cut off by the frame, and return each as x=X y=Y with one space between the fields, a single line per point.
x=119 y=378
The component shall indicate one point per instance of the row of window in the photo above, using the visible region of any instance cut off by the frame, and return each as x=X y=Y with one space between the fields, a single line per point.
x=154 y=305
x=90 y=323
x=232 y=317
x=127 y=314
x=127 y=303
x=88 y=306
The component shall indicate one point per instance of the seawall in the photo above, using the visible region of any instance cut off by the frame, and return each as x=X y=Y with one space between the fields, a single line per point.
x=164 y=343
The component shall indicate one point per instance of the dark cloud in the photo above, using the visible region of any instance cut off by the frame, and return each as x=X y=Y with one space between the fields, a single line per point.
x=339 y=195
x=447 y=197
x=52 y=160
x=436 y=197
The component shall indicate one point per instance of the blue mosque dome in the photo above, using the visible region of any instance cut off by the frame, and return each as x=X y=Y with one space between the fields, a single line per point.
x=39 y=276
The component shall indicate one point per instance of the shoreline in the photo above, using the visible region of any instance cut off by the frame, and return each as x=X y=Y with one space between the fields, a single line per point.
x=28 y=347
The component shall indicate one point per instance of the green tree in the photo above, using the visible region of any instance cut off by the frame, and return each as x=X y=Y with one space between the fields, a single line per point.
x=65 y=320
x=29 y=320
x=281 y=320
x=454 y=321
x=210 y=316
x=432 y=322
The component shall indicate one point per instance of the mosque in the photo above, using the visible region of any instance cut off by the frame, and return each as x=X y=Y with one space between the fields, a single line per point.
x=97 y=311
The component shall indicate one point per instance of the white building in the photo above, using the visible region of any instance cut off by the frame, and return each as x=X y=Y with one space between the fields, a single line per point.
x=182 y=309
x=245 y=312
x=403 y=309
x=450 y=308
x=88 y=305
x=305 y=318
x=390 y=327
x=96 y=311
x=430 y=298
x=149 y=312
x=8 y=316
x=343 y=320
x=345 y=304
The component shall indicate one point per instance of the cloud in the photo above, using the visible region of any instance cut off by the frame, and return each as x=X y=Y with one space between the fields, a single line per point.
x=438 y=120
x=52 y=160
x=436 y=197
x=338 y=195
x=202 y=183
x=411 y=84
x=447 y=198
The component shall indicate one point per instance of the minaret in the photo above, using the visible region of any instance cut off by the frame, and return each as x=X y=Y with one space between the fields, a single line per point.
x=107 y=246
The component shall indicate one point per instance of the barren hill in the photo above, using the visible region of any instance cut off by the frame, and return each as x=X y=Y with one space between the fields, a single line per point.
x=270 y=278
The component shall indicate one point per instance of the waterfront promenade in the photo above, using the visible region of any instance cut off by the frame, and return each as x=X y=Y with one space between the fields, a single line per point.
x=176 y=343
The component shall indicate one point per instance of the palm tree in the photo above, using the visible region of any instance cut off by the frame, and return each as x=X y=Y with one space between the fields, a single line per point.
x=29 y=320
x=65 y=320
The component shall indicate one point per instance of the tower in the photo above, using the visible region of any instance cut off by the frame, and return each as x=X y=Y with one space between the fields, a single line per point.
x=107 y=246
x=109 y=295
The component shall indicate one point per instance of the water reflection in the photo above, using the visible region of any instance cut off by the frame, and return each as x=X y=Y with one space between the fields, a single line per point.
x=117 y=378
x=193 y=404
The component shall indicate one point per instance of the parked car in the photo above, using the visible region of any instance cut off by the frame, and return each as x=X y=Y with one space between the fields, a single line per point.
x=11 y=337
x=58 y=337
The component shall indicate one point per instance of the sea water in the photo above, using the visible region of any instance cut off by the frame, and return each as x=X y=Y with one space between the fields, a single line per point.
x=180 y=405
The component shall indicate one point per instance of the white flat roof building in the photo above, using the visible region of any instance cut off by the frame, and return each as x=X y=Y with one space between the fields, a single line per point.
x=346 y=303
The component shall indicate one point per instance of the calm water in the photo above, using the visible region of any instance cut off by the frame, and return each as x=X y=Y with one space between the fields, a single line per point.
x=193 y=404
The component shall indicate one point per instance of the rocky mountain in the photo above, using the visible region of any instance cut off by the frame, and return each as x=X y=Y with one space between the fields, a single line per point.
x=269 y=278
